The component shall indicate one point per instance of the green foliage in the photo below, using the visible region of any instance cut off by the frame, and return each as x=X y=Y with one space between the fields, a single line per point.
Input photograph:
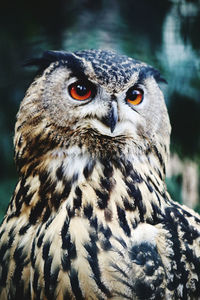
x=174 y=184
x=185 y=120
x=6 y=191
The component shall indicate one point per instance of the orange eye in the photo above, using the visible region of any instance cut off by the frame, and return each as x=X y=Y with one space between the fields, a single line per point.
x=134 y=96
x=80 y=91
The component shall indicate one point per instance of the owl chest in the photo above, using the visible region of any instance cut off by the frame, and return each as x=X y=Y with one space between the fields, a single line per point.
x=81 y=260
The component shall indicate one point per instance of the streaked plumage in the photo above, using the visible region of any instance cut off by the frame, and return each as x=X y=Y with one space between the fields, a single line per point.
x=90 y=217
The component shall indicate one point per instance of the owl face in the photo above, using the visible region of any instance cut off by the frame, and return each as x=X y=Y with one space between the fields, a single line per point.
x=99 y=98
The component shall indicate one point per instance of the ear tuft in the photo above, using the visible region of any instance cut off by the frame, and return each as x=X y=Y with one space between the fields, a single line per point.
x=149 y=71
x=47 y=58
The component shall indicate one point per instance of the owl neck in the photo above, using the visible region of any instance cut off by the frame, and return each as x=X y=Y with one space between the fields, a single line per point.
x=86 y=185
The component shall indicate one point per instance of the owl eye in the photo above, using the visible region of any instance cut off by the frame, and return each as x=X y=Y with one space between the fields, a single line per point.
x=81 y=91
x=134 y=96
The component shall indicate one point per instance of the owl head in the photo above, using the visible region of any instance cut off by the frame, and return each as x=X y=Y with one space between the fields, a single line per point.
x=95 y=102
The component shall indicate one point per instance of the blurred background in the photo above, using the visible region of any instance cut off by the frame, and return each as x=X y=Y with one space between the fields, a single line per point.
x=165 y=34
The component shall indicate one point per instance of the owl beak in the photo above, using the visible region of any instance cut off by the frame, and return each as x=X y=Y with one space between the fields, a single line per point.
x=112 y=118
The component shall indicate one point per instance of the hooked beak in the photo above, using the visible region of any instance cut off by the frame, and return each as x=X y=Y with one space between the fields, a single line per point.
x=112 y=118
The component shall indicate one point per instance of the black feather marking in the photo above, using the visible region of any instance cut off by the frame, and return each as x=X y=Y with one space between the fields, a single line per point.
x=21 y=261
x=19 y=292
x=153 y=184
x=70 y=212
x=72 y=251
x=129 y=206
x=159 y=156
x=88 y=211
x=47 y=214
x=23 y=190
x=135 y=193
x=67 y=245
x=67 y=189
x=33 y=256
x=102 y=199
x=4 y=273
x=49 y=277
x=149 y=187
x=94 y=223
x=40 y=240
x=64 y=234
x=27 y=198
x=107 y=233
x=106 y=184
x=74 y=178
x=122 y=220
x=188 y=214
x=194 y=261
x=46 y=186
x=56 y=199
x=146 y=291
x=66 y=263
x=143 y=253
x=75 y=284
x=37 y=210
x=2 y=232
x=11 y=237
x=136 y=178
x=59 y=172
x=189 y=232
x=108 y=168
x=43 y=176
x=50 y=220
x=106 y=245
x=92 y=250
x=156 y=215
x=180 y=273
x=146 y=256
x=31 y=167
x=38 y=230
x=89 y=168
x=128 y=168
x=121 y=241
x=66 y=295
x=24 y=229
x=47 y=274
x=78 y=199
x=35 y=283
x=45 y=250
x=4 y=264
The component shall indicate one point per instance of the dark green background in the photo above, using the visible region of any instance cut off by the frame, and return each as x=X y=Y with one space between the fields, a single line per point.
x=163 y=33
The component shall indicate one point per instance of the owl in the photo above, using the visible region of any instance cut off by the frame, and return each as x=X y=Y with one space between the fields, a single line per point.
x=90 y=217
